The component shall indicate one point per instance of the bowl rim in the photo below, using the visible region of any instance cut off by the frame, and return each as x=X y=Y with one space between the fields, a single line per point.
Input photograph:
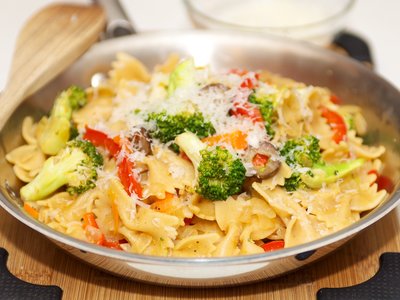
x=144 y=38
x=339 y=14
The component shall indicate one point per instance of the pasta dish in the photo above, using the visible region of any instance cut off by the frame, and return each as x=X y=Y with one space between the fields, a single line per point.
x=189 y=161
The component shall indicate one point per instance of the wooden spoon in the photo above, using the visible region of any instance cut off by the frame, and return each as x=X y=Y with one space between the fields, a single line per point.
x=48 y=43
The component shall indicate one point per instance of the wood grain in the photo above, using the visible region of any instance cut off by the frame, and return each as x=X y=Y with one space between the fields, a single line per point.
x=49 y=42
x=34 y=258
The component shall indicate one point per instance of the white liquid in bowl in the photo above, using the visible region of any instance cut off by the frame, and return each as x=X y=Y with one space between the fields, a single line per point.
x=312 y=20
x=272 y=13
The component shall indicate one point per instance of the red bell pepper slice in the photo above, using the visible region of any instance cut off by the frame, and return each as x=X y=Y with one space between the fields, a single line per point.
x=188 y=221
x=272 y=246
x=335 y=99
x=125 y=167
x=95 y=235
x=383 y=182
x=122 y=241
x=111 y=244
x=184 y=156
x=249 y=83
x=239 y=72
x=374 y=172
x=337 y=124
x=128 y=179
x=242 y=108
x=125 y=171
x=247 y=110
x=100 y=139
x=260 y=160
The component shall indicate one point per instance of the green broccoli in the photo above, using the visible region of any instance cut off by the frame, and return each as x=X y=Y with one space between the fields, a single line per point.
x=266 y=105
x=293 y=182
x=73 y=132
x=350 y=122
x=181 y=76
x=298 y=153
x=305 y=152
x=170 y=126
x=57 y=129
x=74 y=166
x=219 y=174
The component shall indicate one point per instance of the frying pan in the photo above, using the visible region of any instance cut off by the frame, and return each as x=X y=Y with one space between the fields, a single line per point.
x=350 y=80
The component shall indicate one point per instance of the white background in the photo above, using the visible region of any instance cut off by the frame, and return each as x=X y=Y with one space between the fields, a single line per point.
x=375 y=20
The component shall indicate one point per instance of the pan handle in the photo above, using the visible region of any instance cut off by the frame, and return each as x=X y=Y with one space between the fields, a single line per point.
x=354 y=46
x=118 y=23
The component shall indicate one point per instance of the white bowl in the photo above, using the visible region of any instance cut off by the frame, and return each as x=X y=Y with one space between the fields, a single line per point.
x=312 y=20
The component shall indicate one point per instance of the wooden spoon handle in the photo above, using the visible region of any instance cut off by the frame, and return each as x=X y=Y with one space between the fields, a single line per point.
x=49 y=42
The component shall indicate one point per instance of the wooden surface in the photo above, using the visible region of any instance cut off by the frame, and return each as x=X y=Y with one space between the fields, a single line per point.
x=48 y=43
x=35 y=259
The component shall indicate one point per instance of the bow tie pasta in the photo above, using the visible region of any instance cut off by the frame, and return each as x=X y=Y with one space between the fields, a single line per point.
x=185 y=161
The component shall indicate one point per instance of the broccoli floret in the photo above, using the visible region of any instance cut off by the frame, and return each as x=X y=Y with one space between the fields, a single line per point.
x=350 y=122
x=74 y=167
x=181 y=76
x=219 y=174
x=305 y=152
x=76 y=96
x=266 y=105
x=324 y=174
x=301 y=152
x=293 y=182
x=57 y=130
x=73 y=132
x=170 y=126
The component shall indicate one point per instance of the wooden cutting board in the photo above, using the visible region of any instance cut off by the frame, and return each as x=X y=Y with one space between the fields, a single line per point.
x=33 y=258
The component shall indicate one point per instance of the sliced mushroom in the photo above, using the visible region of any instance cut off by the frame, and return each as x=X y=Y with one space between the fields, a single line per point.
x=141 y=141
x=264 y=159
x=247 y=185
x=215 y=87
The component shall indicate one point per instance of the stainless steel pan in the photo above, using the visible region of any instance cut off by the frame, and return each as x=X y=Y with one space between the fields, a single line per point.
x=347 y=78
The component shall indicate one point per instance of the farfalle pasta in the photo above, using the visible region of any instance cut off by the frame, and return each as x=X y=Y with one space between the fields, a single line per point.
x=191 y=162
